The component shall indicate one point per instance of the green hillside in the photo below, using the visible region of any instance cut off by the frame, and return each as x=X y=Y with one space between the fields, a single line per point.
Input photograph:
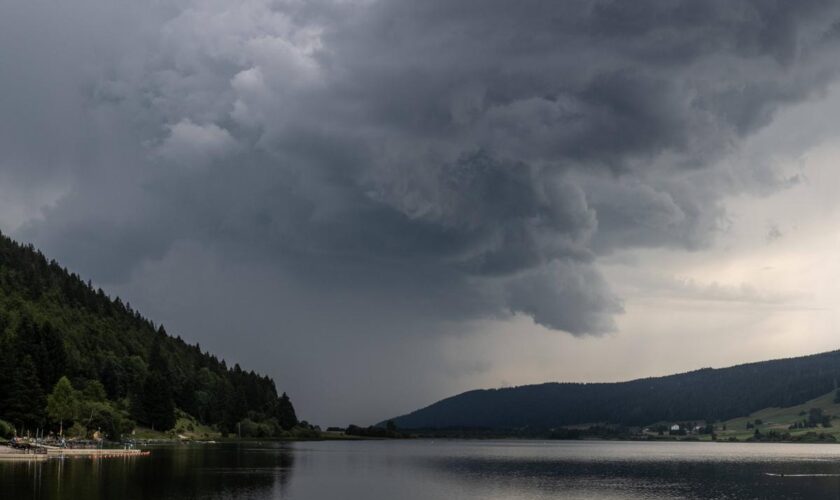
x=71 y=357
x=780 y=420
x=710 y=395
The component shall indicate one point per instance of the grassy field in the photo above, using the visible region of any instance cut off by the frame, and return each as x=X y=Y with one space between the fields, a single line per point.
x=779 y=419
x=772 y=419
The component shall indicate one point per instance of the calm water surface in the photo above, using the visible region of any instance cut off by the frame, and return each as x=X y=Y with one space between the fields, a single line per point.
x=374 y=470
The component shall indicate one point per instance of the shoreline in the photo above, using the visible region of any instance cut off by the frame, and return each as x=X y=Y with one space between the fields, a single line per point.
x=488 y=438
x=8 y=454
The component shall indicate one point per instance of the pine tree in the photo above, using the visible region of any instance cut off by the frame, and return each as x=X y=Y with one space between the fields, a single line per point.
x=158 y=407
x=237 y=409
x=55 y=356
x=46 y=348
x=25 y=402
x=156 y=398
x=7 y=372
x=286 y=412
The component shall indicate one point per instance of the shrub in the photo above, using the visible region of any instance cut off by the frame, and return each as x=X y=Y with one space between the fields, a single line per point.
x=77 y=430
x=110 y=421
x=7 y=430
x=264 y=429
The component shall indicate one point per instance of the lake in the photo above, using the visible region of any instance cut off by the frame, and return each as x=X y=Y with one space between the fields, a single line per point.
x=441 y=469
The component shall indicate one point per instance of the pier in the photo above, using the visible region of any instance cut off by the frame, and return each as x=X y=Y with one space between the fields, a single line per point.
x=42 y=453
x=93 y=452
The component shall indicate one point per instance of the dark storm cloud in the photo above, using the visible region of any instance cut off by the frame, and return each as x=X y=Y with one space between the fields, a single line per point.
x=476 y=157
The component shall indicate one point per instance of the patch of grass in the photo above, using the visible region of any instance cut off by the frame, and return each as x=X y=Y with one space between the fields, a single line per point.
x=150 y=435
x=186 y=428
x=780 y=419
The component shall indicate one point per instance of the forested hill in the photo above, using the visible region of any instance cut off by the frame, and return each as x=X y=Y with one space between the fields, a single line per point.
x=707 y=394
x=122 y=369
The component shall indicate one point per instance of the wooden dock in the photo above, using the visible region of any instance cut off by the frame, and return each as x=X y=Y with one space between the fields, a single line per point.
x=8 y=454
x=23 y=457
x=93 y=453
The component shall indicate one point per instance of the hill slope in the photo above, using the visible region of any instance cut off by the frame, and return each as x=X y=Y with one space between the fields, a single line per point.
x=122 y=367
x=790 y=420
x=707 y=394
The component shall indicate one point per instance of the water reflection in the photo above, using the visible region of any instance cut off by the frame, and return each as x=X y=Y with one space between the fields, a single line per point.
x=499 y=478
x=441 y=470
x=532 y=470
x=642 y=470
x=194 y=471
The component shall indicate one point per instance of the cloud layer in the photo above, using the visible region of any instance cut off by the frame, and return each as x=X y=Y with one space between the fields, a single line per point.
x=450 y=161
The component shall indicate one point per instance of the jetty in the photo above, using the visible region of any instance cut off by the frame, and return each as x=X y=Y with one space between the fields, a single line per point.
x=9 y=454
x=55 y=452
x=46 y=452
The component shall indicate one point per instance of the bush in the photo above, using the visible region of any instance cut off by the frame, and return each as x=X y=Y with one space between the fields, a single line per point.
x=264 y=429
x=378 y=432
x=77 y=430
x=7 y=430
x=303 y=432
x=110 y=421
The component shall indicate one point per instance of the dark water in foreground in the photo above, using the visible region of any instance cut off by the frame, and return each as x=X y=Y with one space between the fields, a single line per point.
x=373 y=470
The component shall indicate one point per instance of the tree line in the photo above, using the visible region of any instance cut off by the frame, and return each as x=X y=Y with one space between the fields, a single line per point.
x=61 y=340
x=708 y=394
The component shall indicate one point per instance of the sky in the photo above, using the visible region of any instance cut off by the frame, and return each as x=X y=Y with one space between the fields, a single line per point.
x=384 y=203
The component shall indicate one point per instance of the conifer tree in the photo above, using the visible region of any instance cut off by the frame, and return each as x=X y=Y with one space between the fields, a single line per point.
x=46 y=348
x=286 y=412
x=25 y=402
x=55 y=356
x=157 y=403
x=236 y=410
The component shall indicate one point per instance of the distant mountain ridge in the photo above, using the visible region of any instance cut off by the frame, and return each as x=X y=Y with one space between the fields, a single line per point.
x=708 y=394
